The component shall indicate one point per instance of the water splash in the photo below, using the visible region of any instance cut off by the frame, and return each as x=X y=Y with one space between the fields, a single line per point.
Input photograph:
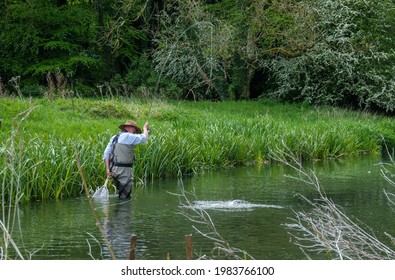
x=230 y=205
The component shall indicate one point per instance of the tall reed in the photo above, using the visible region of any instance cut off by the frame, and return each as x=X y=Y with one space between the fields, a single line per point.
x=50 y=169
x=12 y=172
x=186 y=138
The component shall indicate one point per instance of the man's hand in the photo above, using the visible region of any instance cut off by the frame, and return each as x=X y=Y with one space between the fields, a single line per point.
x=108 y=172
x=146 y=129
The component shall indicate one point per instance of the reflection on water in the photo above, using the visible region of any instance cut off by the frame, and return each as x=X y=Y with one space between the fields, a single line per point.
x=248 y=206
x=117 y=226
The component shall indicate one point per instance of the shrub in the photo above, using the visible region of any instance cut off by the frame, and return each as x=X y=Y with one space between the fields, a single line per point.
x=350 y=64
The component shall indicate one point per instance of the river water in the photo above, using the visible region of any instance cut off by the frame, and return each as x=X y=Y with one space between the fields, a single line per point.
x=248 y=206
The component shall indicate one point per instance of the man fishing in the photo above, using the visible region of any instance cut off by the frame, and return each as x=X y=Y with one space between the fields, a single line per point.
x=119 y=155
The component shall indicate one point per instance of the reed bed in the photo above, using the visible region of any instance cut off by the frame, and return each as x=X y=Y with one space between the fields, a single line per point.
x=187 y=138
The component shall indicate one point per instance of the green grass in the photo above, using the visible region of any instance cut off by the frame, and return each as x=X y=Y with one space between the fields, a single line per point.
x=187 y=137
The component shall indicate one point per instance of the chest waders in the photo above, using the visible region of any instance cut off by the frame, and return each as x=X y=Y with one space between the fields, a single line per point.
x=122 y=158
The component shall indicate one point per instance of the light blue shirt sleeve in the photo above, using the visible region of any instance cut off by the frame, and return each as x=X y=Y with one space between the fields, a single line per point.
x=107 y=151
x=132 y=139
x=125 y=138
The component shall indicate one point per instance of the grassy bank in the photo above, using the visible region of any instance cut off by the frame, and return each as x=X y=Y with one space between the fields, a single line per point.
x=187 y=137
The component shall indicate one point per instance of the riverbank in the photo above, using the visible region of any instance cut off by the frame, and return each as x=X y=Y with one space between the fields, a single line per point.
x=187 y=137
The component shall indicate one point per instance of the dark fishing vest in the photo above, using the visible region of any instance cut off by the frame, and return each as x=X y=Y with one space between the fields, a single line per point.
x=121 y=154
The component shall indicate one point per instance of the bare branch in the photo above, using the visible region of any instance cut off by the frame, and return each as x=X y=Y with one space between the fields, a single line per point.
x=200 y=216
x=326 y=228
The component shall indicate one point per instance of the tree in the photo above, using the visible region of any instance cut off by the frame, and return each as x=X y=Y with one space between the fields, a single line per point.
x=192 y=48
x=350 y=60
x=41 y=37
x=266 y=29
x=215 y=48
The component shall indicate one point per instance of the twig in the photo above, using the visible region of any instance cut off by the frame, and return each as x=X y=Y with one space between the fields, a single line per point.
x=98 y=224
x=89 y=245
x=202 y=217
x=326 y=228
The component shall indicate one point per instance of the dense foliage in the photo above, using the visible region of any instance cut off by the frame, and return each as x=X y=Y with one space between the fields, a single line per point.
x=351 y=61
x=337 y=52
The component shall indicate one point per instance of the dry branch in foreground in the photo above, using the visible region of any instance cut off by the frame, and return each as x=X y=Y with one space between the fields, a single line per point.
x=326 y=228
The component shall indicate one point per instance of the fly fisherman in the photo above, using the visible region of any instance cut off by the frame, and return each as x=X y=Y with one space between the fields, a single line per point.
x=119 y=155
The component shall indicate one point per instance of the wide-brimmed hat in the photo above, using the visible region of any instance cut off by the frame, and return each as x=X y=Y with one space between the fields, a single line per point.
x=130 y=123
